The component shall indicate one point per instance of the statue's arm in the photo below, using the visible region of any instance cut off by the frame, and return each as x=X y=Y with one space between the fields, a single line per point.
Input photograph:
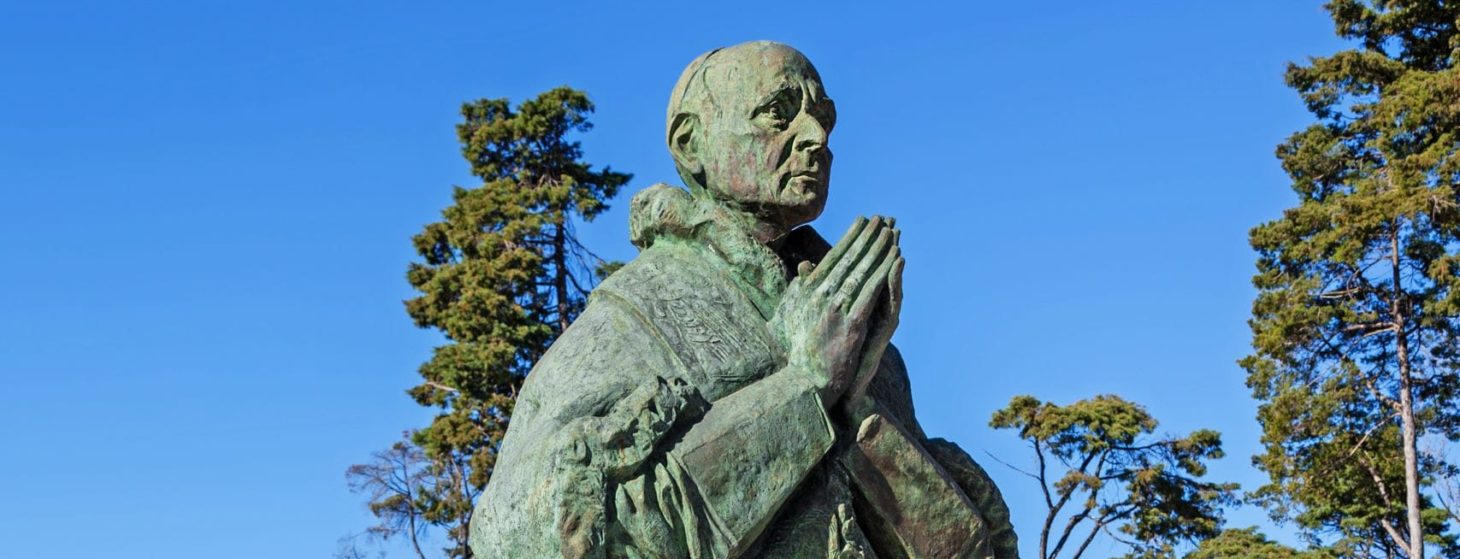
x=752 y=450
x=713 y=489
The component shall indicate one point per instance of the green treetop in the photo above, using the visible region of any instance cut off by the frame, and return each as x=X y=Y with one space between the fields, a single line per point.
x=1248 y=543
x=1101 y=471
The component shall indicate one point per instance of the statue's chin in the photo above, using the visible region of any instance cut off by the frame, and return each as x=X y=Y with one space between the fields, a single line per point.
x=798 y=203
x=793 y=216
x=803 y=201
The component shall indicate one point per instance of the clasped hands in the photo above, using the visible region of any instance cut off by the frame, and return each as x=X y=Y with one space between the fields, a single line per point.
x=837 y=317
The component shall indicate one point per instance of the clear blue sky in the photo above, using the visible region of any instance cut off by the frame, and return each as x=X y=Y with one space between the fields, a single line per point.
x=207 y=208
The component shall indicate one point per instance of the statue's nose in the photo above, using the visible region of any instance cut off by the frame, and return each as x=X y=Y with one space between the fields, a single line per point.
x=810 y=147
x=811 y=135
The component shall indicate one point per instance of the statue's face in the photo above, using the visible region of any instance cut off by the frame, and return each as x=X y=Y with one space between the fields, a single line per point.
x=764 y=146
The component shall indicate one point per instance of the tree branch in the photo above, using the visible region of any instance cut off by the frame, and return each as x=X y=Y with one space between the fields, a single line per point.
x=1011 y=466
x=1388 y=503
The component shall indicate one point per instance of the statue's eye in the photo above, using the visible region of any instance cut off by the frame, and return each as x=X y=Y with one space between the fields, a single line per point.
x=779 y=111
x=776 y=112
x=773 y=114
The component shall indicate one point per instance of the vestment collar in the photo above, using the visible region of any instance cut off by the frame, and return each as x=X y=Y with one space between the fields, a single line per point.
x=663 y=212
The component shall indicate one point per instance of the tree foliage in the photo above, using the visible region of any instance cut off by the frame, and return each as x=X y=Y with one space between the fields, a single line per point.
x=1355 y=324
x=1248 y=543
x=501 y=276
x=1101 y=470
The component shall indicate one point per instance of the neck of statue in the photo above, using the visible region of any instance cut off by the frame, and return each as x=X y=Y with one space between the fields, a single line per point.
x=747 y=219
x=745 y=243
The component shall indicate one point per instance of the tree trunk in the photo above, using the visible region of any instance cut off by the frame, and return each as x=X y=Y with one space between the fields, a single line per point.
x=1411 y=464
x=1406 y=408
x=415 y=542
x=463 y=520
x=560 y=270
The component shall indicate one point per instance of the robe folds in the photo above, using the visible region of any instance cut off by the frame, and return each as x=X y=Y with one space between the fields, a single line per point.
x=666 y=423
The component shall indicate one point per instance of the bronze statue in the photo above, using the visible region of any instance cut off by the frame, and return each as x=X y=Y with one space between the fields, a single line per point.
x=731 y=393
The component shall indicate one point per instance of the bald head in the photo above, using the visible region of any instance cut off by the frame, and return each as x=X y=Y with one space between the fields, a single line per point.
x=723 y=72
x=748 y=126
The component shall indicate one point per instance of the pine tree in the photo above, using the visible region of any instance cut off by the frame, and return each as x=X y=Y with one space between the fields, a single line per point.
x=502 y=275
x=1101 y=471
x=1355 y=323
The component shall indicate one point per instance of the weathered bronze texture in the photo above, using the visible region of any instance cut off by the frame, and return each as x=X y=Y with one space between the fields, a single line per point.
x=732 y=393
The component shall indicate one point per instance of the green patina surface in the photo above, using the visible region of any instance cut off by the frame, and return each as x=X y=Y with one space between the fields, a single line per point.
x=732 y=391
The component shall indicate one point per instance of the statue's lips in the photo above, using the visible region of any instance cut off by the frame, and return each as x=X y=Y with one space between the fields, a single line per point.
x=802 y=181
x=812 y=175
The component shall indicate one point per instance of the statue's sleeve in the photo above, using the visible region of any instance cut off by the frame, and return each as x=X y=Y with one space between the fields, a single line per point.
x=1003 y=542
x=712 y=491
x=893 y=464
x=612 y=453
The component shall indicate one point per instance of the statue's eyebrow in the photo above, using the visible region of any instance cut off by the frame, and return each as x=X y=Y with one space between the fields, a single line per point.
x=818 y=93
x=786 y=88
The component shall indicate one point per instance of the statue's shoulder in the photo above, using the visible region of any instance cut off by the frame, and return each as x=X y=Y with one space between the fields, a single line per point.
x=665 y=268
x=688 y=301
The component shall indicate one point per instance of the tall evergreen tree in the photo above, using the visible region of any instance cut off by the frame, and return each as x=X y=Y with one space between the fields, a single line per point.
x=502 y=275
x=1355 y=323
x=1101 y=471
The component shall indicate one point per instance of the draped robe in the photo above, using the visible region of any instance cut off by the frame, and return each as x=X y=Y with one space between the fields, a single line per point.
x=666 y=423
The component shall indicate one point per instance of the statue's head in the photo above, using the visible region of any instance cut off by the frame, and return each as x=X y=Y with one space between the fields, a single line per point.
x=748 y=126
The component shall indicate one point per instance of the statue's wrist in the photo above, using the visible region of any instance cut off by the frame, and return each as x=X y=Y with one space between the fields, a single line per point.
x=855 y=409
x=815 y=377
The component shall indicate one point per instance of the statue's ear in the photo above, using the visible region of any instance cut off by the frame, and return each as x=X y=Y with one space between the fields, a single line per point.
x=684 y=139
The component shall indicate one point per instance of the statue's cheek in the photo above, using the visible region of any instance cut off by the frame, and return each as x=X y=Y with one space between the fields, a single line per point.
x=743 y=167
x=776 y=154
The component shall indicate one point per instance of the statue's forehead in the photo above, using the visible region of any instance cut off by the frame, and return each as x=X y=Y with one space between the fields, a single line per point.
x=751 y=72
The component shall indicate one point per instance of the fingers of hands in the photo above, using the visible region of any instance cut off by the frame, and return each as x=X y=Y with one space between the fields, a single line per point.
x=844 y=258
x=838 y=542
x=860 y=271
x=890 y=274
x=870 y=301
x=858 y=277
x=852 y=236
x=827 y=313
x=894 y=287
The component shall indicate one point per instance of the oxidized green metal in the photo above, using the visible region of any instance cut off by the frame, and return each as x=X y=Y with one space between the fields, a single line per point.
x=731 y=393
